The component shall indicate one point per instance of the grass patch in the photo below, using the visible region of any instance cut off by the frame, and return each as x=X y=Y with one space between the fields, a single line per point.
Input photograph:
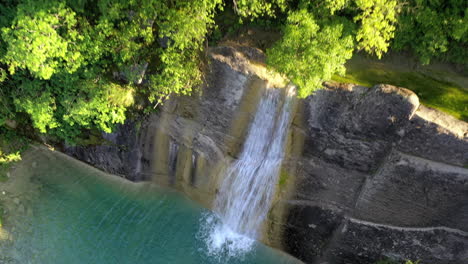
x=431 y=90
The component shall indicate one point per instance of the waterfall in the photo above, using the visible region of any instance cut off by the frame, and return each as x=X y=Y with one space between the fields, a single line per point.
x=245 y=195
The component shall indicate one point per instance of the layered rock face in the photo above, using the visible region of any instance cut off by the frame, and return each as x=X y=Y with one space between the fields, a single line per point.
x=368 y=173
x=379 y=176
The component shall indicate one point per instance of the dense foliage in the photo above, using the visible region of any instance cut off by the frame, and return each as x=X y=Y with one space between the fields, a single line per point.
x=310 y=53
x=70 y=66
x=79 y=64
x=434 y=29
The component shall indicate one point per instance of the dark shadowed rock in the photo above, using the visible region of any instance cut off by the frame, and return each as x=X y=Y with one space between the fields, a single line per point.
x=354 y=126
x=363 y=242
x=353 y=165
x=117 y=155
x=380 y=112
x=360 y=112
x=325 y=183
x=437 y=136
x=415 y=192
x=309 y=230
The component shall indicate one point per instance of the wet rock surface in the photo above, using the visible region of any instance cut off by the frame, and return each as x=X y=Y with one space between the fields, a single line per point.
x=371 y=173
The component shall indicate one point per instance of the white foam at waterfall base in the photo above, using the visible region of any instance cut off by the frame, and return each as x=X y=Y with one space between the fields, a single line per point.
x=245 y=195
x=221 y=241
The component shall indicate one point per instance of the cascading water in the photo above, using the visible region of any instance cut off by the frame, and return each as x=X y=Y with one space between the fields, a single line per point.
x=246 y=192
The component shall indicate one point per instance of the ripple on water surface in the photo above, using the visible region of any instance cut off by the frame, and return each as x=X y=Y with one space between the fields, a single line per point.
x=84 y=216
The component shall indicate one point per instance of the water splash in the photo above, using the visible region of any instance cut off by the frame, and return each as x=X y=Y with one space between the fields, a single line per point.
x=246 y=192
x=222 y=243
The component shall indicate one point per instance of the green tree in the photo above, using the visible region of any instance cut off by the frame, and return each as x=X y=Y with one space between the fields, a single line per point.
x=41 y=39
x=320 y=36
x=434 y=29
x=377 y=19
x=38 y=103
x=310 y=53
x=103 y=106
x=183 y=27
x=58 y=58
x=256 y=8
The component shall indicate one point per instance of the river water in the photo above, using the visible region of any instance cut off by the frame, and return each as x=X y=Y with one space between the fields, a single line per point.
x=74 y=214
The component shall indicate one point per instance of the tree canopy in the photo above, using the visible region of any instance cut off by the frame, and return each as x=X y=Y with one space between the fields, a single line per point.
x=309 y=53
x=68 y=66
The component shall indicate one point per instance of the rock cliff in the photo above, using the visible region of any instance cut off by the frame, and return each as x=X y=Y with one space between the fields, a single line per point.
x=369 y=173
x=379 y=176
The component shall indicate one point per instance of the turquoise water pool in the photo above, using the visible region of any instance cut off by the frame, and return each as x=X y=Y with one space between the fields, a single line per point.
x=79 y=215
